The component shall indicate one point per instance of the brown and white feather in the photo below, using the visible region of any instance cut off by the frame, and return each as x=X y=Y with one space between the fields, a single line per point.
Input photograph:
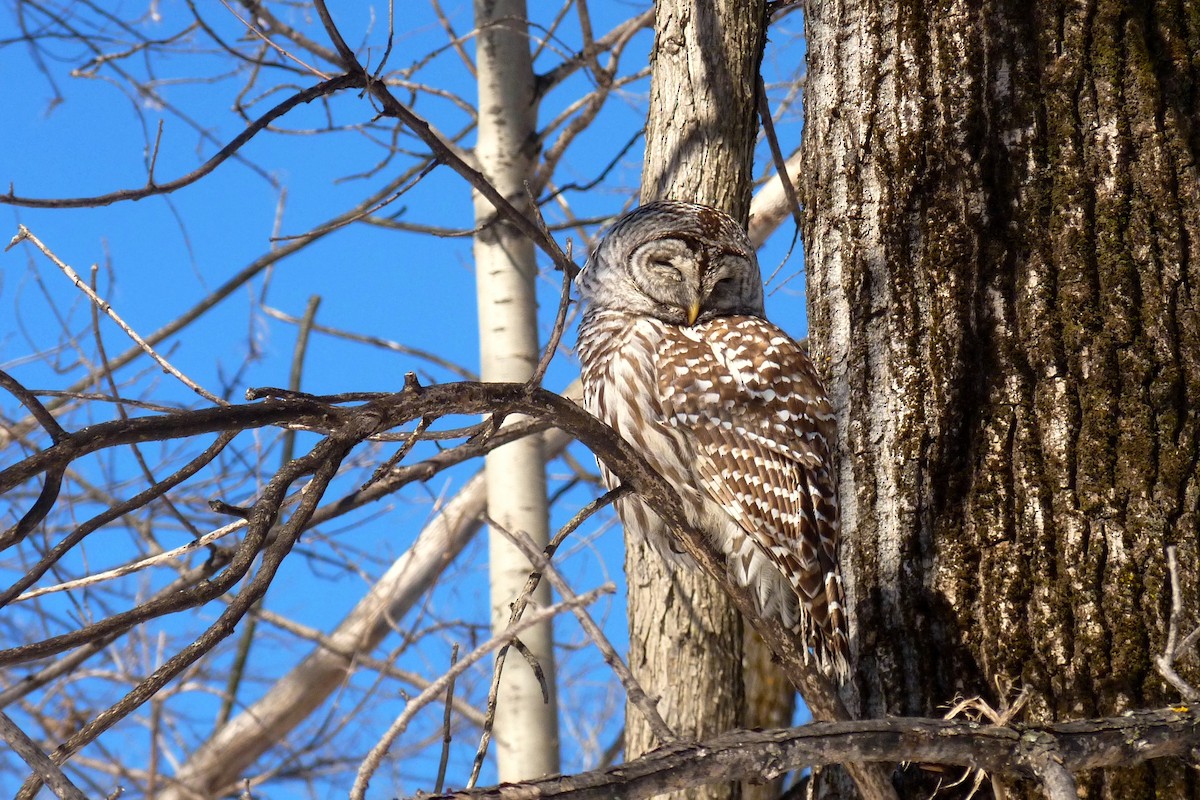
x=730 y=411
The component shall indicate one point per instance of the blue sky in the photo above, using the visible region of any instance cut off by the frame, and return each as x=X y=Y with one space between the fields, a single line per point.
x=160 y=255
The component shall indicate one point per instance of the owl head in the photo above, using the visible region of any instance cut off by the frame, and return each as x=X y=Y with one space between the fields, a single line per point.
x=679 y=262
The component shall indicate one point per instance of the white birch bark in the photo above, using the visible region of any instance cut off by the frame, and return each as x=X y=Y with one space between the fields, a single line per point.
x=526 y=731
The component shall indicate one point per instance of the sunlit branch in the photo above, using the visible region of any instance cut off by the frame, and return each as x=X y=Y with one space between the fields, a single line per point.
x=756 y=755
x=371 y=762
x=443 y=152
x=23 y=234
x=152 y=188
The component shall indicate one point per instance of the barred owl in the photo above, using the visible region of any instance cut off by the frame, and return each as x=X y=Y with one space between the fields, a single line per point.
x=678 y=358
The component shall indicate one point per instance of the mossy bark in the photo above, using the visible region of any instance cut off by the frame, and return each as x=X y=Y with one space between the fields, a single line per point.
x=1003 y=249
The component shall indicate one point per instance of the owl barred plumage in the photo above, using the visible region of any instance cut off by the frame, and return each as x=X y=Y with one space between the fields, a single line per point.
x=678 y=358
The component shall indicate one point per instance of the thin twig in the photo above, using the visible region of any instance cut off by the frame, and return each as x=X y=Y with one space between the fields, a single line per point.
x=540 y=559
x=154 y=155
x=61 y=548
x=456 y=41
x=266 y=40
x=560 y=324
x=781 y=170
x=405 y=448
x=781 y=166
x=1165 y=663
x=106 y=370
x=152 y=560
x=23 y=234
x=374 y=758
x=445 y=759
x=387 y=51
x=329 y=86
x=376 y=341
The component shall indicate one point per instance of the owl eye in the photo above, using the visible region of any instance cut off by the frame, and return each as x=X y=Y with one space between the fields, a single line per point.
x=666 y=269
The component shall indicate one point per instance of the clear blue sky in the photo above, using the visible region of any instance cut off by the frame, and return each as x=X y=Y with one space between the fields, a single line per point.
x=160 y=255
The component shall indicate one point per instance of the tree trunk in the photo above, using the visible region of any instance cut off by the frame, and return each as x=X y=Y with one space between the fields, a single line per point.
x=1003 y=241
x=526 y=731
x=685 y=635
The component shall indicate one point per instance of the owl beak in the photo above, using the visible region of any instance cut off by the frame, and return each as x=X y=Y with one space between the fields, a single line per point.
x=693 y=312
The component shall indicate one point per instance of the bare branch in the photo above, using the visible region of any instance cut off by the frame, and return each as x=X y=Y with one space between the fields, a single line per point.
x=371 y=762
x=741 y=755
x=442 y=151
x=542 y=563
x=266 y=40
x=46 y=769
x=23 y=234
x=618 y=37
x=781 y=167
x=560 y=323
x=247 y=273
x=151 y=188
x=35 y=407
x=376 y=341
x=322 y=462
x=36 y=571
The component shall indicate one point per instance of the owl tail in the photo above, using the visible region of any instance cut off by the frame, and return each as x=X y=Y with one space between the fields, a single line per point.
x=835 y=660
x=827 y=631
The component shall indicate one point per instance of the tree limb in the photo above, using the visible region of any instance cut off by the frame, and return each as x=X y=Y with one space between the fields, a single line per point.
x=759 y=755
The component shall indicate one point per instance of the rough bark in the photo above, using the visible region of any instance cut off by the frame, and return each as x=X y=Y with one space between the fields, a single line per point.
x=685 y=635
x=1003 y=240
x=702 y=122
x=526 y=732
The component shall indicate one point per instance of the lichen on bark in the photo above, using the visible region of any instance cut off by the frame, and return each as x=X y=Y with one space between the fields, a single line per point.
x=1003 y=238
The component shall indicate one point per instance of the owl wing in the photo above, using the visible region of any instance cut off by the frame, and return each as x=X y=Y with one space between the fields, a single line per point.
x=762 y=428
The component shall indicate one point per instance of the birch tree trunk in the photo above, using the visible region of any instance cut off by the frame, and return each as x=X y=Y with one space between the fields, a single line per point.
x=526 y=732
x=1003 y=249
x=685 y=635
